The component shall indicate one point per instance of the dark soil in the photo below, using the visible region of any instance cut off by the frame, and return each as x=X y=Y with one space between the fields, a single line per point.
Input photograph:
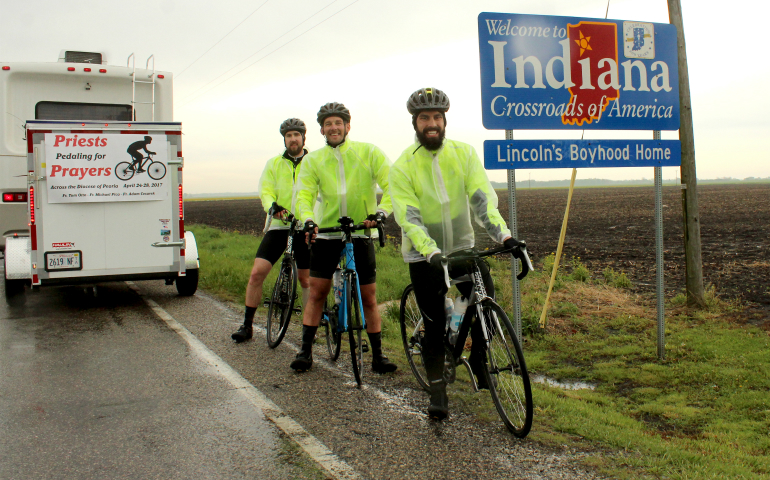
x=614 y=227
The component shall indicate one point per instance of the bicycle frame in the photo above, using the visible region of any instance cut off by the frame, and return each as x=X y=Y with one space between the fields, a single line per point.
x=348 y=266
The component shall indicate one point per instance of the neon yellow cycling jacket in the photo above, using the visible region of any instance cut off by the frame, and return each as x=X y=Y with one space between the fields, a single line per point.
x=277 y=184
x=345 y=179
x=433 y=195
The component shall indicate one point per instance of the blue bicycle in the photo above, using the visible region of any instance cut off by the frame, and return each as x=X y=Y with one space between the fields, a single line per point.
x=343 y=311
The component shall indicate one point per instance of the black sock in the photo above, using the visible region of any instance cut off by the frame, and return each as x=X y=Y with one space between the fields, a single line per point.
x=308 y=337
x=249 y=319
x=375 y=339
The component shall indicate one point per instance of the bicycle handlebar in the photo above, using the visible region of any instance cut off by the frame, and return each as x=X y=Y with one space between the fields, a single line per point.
x=347 y=226
x=526 y=263
x=272 y=211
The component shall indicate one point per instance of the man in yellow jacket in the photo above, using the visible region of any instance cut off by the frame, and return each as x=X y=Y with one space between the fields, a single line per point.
x=435 y=185
x=276 y=188
x=343 y=175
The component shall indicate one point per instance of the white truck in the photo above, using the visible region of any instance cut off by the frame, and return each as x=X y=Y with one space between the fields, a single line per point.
x=91 y=176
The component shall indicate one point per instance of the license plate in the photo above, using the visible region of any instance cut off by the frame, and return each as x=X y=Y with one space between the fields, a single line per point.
x=63 y=261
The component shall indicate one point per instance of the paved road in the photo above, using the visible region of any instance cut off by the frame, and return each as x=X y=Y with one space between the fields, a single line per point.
x=97 y=386
x=100 y=386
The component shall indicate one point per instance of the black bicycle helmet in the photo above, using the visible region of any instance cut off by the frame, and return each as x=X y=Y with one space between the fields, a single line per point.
x=293 y=124
x=333 y=109
x=427 y=99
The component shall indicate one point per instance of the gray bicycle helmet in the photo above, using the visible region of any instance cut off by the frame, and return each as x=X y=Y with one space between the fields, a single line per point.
x=293 y=124
x=333 y=109
x=427 y=99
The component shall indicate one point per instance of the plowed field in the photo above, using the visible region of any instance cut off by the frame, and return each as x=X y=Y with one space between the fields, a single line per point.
x=613 y=227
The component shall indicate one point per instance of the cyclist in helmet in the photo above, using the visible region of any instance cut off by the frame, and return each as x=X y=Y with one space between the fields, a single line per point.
x=344 y=174
x=133 y=150
x=435 y=185
x=276 y=186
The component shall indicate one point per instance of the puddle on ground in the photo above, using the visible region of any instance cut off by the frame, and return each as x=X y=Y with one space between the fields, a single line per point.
x=565 y=385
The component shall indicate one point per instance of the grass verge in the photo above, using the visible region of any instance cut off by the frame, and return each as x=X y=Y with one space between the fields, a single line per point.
x=703 y=412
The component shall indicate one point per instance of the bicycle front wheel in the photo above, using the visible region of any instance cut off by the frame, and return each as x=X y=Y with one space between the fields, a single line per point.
x=506 y=372
x=281 y=303
x=124 y=171
x=412 y=334
x=354 y=329
x=156 y=171
x=329 y=320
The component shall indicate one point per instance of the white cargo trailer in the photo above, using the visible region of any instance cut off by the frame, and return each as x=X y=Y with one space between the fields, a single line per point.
x=91 y=212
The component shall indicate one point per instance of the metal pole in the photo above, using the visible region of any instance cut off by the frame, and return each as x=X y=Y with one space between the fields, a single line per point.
x=514 y=262
x=659 y=254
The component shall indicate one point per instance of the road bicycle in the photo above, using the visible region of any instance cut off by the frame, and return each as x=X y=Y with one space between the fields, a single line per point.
x=346 y=312
x=280 y=305
x=126 y=170
x=506 y=372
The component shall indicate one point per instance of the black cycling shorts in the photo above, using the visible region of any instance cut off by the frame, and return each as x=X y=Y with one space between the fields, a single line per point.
x=274 y=244
x=325 y=256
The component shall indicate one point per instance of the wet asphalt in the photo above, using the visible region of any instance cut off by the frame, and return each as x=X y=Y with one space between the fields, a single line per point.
x=97 y=386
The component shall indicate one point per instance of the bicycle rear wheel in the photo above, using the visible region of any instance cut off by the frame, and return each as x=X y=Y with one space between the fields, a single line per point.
x=354 y=329
x=329 y=321
x=281 y=303
x=412 y=334
x=124 y=171
x=506 y=372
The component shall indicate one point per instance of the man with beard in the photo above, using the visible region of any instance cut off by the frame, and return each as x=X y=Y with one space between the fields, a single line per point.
x=435 y=184
x=276 y=187
x=344 y=176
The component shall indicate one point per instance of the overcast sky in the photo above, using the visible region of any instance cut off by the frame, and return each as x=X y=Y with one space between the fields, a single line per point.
x=290 y=57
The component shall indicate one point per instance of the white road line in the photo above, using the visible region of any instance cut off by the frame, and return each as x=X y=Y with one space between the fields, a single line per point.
x=312 y=446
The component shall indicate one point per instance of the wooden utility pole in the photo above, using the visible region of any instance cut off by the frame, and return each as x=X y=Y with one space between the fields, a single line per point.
x=689 y=185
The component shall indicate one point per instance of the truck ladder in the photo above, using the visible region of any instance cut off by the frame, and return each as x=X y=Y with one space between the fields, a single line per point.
x=130 y=62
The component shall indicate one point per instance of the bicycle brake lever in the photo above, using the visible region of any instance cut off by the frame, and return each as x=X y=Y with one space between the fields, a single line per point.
x=445 y=266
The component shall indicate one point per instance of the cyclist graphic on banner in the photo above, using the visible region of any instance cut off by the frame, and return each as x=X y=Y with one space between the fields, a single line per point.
x=133 y=150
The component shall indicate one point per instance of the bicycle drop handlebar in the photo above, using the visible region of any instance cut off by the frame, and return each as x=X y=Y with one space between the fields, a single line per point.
x=526 y=263
x=347 y=226
x=275 y=208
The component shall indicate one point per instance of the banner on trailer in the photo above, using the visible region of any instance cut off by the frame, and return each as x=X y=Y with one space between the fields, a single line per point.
x=94 y=167
x=549 y=72
x=515 y=154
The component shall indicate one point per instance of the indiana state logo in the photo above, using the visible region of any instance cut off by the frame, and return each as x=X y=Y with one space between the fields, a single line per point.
x=638 y=40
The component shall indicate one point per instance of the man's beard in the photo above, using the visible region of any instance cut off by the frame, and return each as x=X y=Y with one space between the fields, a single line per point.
x=295 y=150
x=432 y=143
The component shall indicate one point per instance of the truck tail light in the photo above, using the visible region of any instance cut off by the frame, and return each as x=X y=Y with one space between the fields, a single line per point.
x=181 y=205
x=15 y=197
x=31 y=205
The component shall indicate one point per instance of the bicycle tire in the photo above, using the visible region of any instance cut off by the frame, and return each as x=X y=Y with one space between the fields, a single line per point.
x=124 y=171
x=412 y=332
x=506 y=372
x=354 y=329
x=333 y=337
x=156 y=170
x=281 y=303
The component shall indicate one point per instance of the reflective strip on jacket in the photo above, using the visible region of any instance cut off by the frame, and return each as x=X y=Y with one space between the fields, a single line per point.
x=277 y=185
x=433 y=194
x=344 y=179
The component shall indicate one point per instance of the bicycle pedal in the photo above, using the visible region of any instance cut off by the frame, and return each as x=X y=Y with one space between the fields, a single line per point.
x=364 y=346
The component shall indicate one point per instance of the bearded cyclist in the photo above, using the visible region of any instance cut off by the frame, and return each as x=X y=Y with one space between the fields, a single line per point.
x=275 y=187
x=435 y=185
x=344 y=175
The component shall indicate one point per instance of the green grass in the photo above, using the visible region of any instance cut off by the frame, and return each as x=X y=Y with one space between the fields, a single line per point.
x=703 y=412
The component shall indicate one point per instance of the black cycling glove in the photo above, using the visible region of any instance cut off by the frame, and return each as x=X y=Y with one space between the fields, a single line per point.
x=276 y=208
x=379 y=217
x=436 y=260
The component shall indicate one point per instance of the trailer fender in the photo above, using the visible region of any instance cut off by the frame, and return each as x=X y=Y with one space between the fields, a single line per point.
x=18 y=255
x=191 y=260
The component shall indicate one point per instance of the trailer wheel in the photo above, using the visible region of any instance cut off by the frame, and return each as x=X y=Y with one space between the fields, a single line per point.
x=187 y=285
x=14 y=290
